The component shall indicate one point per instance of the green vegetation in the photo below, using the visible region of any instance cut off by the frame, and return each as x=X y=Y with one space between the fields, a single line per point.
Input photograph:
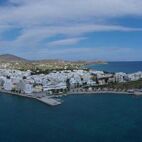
x=124 y=86
x=41 y=67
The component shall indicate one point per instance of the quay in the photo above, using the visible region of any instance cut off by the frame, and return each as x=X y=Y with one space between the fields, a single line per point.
x=42 y=97
x=50 y=101
x=98 y=92
x=79 y=91
x=54 y=100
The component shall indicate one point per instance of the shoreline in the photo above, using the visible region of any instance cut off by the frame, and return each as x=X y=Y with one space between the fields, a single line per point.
x=53 y=101
x=49 y=100
x=135 y=93
x=100 y=92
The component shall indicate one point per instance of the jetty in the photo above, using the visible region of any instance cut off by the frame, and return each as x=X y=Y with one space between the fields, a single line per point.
x=50 y=101
x=42 y=97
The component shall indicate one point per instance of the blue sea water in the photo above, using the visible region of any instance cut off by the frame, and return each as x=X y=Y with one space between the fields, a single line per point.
x=87 y=118
x=127 y=67
x=81 y=118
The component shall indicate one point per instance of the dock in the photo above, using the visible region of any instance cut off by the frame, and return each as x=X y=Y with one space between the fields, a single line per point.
x=50 y=101
x=42 y=97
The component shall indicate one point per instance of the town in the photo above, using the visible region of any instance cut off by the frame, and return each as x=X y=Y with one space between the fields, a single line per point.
x=57 y=83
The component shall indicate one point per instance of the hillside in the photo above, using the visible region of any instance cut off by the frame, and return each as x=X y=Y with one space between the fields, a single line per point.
x=11 y=58
x=13 y=62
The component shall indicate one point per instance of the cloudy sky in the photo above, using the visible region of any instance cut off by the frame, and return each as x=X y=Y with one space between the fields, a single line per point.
x=72 y=29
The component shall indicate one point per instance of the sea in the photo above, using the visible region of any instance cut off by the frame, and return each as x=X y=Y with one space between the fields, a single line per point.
x=80 y=118
x=127 y=67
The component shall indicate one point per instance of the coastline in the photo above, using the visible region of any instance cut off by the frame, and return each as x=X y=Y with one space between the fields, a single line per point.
x=45 y=99
x=100 y=92
x=53 y=101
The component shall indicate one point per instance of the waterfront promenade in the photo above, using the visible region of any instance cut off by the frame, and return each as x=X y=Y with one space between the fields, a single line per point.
x=97 y=92
x=54 y=99
x=79 y=91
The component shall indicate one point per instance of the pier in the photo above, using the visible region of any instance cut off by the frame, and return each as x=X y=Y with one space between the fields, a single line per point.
x=42 y=97
x=50 y=101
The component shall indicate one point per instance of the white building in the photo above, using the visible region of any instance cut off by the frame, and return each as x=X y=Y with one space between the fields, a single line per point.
x=25 y=87
x=120 y=77
x=8 y=84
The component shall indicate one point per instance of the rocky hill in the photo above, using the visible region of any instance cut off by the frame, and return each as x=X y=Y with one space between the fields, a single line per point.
x=11 y=58
x=13 y=62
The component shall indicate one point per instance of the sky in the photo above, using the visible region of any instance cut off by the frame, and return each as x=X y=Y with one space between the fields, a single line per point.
x=108 y=30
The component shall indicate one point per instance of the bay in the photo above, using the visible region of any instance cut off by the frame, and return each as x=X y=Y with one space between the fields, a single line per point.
x=127 y=67
x=81 y=118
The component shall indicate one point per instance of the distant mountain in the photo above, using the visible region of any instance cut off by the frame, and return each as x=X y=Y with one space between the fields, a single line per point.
x=13 y=62
x=11 y=58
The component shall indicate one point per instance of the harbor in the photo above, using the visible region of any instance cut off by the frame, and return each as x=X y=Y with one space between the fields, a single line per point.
x=42 y=97
x=54 y=100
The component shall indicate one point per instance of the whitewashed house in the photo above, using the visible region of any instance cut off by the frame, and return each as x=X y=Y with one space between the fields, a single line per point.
x=8 y=84
x=25 y=87
x=120 y=77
